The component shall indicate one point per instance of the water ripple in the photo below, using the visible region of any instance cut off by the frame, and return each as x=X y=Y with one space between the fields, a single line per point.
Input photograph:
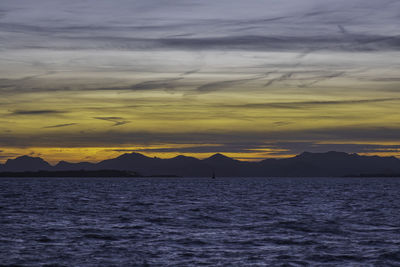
x=183 y=222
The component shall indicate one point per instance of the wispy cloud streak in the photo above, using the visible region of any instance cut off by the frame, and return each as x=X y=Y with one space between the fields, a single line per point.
x=118 y=121
x=60 y=125
x=307 y=104
x=36 y=112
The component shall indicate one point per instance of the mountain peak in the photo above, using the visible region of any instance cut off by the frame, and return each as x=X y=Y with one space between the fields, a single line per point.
x=307 y=154
x=132 y=155
x=330 y=163
x=26 y=158
x=26 y=163
x=219 y=156
x=182 y=157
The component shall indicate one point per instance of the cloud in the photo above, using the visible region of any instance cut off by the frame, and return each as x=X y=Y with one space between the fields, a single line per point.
x=214 y=86
x=60 y=125
x=276 y=143
x=346 y=43
x=17 y=86
x=299 y=147
x=223 y=148
x=96 y=40
x=190 y=72
x=283 y=77
x=166 y=84
x=158 y=84
x=114 y=138
x=307 y=104
x=342 y=29
x=118 y=121
x=75 y=38
x=202 y=25
x=3 y=13
x=314 y=80
x=381 y=79
x=281 y=123
x=37 y=112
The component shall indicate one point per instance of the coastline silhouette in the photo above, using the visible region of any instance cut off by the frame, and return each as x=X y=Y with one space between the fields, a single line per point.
x=329 y=164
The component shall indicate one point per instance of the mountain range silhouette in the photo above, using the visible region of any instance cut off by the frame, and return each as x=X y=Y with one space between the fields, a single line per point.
x=329 y=164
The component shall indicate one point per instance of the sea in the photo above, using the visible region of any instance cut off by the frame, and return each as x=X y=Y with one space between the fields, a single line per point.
x=200 y=222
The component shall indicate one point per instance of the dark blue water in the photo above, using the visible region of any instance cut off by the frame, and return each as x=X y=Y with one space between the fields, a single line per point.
x=185 y=221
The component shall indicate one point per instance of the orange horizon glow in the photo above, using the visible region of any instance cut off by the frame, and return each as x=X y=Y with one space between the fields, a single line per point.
x=94 y=155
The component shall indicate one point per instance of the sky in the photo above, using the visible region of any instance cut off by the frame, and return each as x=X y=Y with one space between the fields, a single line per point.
x=87 y=80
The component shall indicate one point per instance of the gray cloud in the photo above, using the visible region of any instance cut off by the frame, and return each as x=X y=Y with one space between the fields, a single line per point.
x=286 y=43
x=307 y=104
x=223 y=37
x=190 y=72
x=215 y=86
x=59 y=125
x=223 y=148
x=315 y=80
x=265 y=26
x=283 y=77
x=164 y=84
x=118 y=121
x=159 y=84
x=381 y=79
x=17 y=86
x=269 y=143
x=347 y=43
x=299 y=147
x=37 y=112
x=248 y=137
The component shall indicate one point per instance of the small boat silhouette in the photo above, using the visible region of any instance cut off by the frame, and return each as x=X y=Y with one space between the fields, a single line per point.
x=213 y=175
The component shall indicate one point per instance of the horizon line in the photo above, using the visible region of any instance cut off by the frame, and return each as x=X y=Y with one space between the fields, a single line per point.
x=213 y=155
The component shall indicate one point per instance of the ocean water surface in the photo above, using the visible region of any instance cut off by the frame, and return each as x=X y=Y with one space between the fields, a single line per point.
x=200 y=221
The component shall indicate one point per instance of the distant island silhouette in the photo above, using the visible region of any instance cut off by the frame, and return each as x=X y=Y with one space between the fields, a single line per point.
x=306 y=164
x=80 y=173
